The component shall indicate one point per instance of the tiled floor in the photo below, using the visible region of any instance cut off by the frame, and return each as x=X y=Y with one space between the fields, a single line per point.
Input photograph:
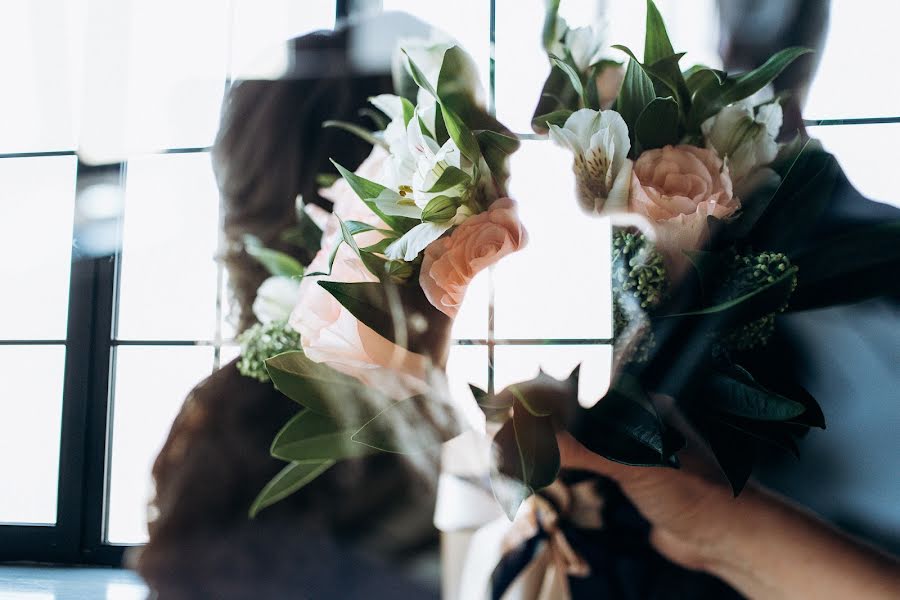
x=61 y=583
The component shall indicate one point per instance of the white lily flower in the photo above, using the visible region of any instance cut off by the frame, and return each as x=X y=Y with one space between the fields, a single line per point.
x=276 y=298
x=586 y=45
x=744 y=136
x=599 y=140
x=431 y=161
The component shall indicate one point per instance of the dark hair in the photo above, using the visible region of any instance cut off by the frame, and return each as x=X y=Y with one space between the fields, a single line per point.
x=271 y=147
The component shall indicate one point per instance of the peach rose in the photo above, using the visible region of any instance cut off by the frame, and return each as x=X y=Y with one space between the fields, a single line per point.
x=676 y=188
x=452 y=261
x=329 y=333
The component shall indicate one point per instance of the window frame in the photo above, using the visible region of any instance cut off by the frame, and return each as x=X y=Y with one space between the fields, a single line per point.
x=78 y=537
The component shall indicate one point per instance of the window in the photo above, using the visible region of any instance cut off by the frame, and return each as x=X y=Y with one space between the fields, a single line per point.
x=114 y=307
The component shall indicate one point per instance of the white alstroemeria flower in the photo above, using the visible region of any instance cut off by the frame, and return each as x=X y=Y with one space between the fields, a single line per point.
x=276 y=298
x=599 y=141
x=586 y=45
x=399 y=169
x=744 y=136
x=431 y=161
x=419 y=237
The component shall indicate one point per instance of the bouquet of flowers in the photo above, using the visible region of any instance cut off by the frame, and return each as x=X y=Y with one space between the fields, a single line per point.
x=712 y=220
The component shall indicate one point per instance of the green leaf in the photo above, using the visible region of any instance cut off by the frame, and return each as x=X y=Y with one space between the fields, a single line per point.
x=419 y=77
x=735 y=451
x=356 y=227
x=527 y=454
x=557 y=117
x=451 y=177
x=657 y=126
x=457 y=80
x=360 y=132
x=440 y=209
x=623 y=429
x=556 y=95
x=377 y=117
x=397 y=271
x=313 y=436
x=749 y=83
x=368 y=191
x=460 y=133
x=290 y=479
x=656 y=41
x=320 y=388
x=634 y=95
x=275 y=262
x=571 y=73
x=712 y=96
x=367 y=301
x=402 y=427
x=742 y=396
x=496 y=149
x=666 y=76
x=494 y=408
x=758 y=303
x=549 y=35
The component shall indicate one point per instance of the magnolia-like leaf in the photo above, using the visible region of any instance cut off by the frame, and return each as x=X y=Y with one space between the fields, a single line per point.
x=313 y=436
x=367 y=301
x=451 y=177
x=741 y=396
x=360 y=132
x=400 y=429
x=656 y=39
x=624 y=427
x=748 y=307
x=571 y=73
x=291 y=478
x=494 y=407
x=318 y=387
x=419 y=77
x=527 y=458
x=657 y=125
x=735 y=451
x=275 y=262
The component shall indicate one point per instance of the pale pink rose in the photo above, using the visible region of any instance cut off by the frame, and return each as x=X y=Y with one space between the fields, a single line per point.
x=676 y=188
x=329 y=333
x=452 y=261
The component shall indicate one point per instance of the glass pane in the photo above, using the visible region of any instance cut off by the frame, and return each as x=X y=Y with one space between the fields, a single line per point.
x=558 y=287
x=465 y=365
x=261 y=27
x=36 y=207
x=31 y=388
x=155 y=75
x=471 y=321
x=514 y=364
x=168 y=281
x=870 y=171
x=466 y=21
x=855 y=77
x=39 y=44
x=142 y=417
